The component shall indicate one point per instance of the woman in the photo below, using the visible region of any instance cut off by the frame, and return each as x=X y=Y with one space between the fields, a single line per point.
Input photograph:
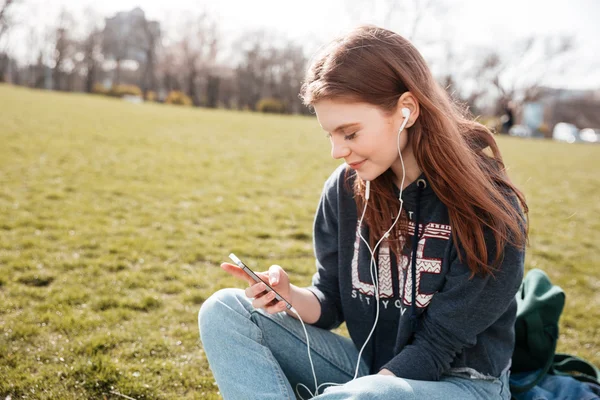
x=429 y=303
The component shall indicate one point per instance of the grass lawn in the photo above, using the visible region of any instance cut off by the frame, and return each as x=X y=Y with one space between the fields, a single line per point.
x=114 y=218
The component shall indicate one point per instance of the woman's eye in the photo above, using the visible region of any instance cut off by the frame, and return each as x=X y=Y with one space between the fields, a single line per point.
x=350 y=137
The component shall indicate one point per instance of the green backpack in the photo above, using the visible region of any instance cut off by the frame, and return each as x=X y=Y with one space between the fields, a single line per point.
x=539 y=305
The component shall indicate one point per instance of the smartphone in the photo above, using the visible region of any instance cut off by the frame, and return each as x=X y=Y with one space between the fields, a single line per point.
x=255 y=277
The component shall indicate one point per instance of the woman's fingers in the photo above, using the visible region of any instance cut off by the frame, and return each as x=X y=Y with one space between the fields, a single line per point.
x=262 y=301
x=255 y=290
x=237 y=272
x=275 y=308
x=258 y=291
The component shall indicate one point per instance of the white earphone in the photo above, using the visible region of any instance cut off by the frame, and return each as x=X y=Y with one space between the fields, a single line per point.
x=406 y=114
x=374 y=277
x=373 y=266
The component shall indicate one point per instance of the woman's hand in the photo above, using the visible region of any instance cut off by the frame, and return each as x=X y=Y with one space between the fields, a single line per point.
x=277 y=279
x=385 y=372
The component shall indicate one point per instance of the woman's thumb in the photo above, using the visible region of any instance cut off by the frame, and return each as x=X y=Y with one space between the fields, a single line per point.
x=274 y=274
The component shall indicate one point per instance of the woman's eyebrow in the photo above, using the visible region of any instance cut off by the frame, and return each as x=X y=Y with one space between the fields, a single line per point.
x=343 y=126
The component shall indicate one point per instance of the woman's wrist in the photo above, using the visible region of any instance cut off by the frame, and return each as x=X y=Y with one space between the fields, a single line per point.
x=305 y=303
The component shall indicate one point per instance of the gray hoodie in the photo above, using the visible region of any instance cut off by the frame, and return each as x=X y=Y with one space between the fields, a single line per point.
x=459 y=326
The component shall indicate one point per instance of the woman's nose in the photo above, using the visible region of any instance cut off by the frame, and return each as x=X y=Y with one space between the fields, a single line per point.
x=339 y=149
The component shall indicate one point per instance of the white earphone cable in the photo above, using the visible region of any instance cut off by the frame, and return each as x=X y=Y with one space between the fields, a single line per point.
x=372 y=268
x=375 y=279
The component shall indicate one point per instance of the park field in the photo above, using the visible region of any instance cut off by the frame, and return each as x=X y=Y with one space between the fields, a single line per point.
x=114 y=218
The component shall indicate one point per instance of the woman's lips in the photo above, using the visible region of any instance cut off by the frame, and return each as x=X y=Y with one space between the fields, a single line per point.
x=357 y=165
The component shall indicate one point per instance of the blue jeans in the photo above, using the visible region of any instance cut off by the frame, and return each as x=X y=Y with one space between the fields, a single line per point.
x=254 y=355
x=554 y=387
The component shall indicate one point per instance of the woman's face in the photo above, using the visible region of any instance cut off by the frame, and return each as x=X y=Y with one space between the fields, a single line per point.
x=362 y=134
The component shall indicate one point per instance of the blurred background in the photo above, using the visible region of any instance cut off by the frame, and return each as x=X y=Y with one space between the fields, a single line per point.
x=143 y=141
x=524 y=67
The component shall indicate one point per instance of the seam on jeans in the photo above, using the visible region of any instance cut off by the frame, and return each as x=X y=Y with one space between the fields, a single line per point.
x=302 y=339
x=473 y=386
x=507 y=368
x=469 y=373
x=280 y=378
x=478 y=388
x=504 y=388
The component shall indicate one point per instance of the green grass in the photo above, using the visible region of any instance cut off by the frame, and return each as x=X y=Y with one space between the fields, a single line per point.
x=114 y=218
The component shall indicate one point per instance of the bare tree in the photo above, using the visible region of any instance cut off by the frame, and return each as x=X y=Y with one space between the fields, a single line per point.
x=151 y=34
x=34 y=72
x=413 y=12
x=5 y=24
x=5 y=65
x=270 y=67
x=5 y=21
x=517 y=74
x=199 y=48
x=64 y=49
x=227 y=87
x=168 y=67
x=386 y=13
x=91 y=56
x=462 y=75
x=293 y=65
x=250 y=73
x=89 y=50
x=39 y=73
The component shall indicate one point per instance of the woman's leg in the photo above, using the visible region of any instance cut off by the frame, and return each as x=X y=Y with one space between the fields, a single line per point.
x=448 y=388
x=254 y=355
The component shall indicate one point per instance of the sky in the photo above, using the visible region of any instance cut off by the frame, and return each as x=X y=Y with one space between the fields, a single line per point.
x=466 y=23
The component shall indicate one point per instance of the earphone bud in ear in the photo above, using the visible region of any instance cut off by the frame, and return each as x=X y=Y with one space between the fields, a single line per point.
x=406 y=114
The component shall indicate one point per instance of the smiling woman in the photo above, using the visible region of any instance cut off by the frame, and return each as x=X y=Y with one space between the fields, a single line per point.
x=419 y=241
x=369 y=145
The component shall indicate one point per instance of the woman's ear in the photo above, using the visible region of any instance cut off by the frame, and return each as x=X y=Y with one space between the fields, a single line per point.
x=407 y=100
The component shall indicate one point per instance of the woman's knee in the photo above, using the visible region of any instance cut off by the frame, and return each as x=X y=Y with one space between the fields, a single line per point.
x=372 y=386
x=213 y=306
x=214 y=311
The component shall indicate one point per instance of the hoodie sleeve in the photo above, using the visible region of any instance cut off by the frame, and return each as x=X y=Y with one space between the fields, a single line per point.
x=325 y=284
x=458 y=313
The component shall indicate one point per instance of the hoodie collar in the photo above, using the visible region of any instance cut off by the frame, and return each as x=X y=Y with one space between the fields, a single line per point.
x=410 y=192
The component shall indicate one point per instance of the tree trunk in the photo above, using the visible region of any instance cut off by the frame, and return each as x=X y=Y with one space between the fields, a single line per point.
x=117 y=80
x=89 y=79
x=212 y=91
x=192 y=87
x=56 y=78
x=148 y=81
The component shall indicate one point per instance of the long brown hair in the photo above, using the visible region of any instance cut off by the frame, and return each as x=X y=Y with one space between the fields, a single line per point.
x=459 y=157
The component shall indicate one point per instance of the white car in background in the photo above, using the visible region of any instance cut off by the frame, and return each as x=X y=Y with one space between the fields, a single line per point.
x=520 y=131
x=565 y=132
x=590 y=135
